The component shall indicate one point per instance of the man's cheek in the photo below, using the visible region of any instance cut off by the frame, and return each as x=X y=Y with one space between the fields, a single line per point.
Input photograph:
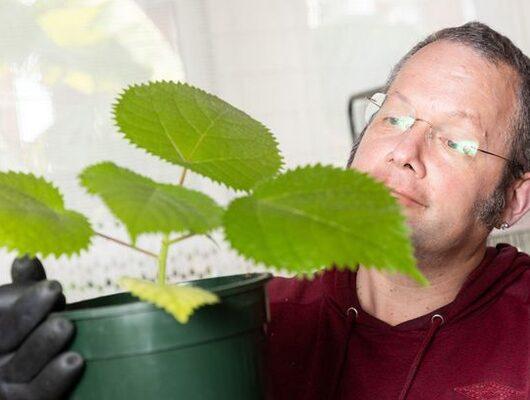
x=367 y=160
x=452 y=205
x=372 y=169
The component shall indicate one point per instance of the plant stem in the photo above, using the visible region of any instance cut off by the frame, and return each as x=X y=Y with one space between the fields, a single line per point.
x=182 y=176
x=162 y=260
x=166 y=242
x=126 y=244
x=178 y=239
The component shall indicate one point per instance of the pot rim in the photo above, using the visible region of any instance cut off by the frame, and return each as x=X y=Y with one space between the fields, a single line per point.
x=248 y=282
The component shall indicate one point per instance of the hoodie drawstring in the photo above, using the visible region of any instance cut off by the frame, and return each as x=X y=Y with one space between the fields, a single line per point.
x=436 y=321
x=351 y=316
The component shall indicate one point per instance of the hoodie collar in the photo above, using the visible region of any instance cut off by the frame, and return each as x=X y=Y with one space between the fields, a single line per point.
x=499 y=268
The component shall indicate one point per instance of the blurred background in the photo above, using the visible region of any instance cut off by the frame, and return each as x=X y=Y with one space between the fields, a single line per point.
x=292 y=64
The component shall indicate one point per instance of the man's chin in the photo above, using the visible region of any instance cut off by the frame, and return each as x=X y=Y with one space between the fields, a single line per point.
x=412 y=219
x=421 y=236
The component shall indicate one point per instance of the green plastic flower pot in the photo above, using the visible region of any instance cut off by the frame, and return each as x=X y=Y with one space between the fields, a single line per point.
x=134 y=350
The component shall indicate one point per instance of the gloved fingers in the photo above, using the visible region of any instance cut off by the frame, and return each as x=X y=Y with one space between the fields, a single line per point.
x=14 y=391
x=4 y=359
x=26 y=269
x=10 y=293
x=13 y=291
x=43 y=344
x=26 y=313
x=25 y=272
x=58 y=378
x=60 y=303
x=53 y=383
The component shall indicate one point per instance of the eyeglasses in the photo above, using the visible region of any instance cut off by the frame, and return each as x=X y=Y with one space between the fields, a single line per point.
x=390 y=116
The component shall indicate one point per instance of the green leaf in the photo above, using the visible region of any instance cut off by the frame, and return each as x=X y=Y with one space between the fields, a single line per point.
x=144 y=205
x=316 y=217
x=33 y=219
x=180 y=301
x=189 y=127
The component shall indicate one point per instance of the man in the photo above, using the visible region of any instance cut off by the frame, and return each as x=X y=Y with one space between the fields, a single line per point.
x=449 y=138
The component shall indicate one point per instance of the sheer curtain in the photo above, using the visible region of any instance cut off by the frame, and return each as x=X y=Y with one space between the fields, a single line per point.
x=290 y=64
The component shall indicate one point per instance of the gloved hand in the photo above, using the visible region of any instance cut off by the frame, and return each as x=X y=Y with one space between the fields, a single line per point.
x=33 y=363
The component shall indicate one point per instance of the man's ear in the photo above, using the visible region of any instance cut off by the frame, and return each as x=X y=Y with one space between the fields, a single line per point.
x=517 y=200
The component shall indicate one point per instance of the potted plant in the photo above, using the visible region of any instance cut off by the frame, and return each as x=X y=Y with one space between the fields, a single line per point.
x=302 y=221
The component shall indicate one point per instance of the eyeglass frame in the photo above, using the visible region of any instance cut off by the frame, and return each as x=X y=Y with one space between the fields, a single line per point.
x=517 y=165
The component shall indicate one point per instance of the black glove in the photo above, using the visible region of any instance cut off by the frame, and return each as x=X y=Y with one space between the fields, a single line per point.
x=32 y=364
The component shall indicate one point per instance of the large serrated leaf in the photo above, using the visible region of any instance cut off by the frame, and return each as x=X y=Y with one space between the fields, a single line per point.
x=180 y=301
x=144 y=205
x=316 y=217
x=189 y=127
x=33 y=219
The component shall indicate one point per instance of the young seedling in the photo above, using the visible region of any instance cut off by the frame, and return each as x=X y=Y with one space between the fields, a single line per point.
x=302 y=220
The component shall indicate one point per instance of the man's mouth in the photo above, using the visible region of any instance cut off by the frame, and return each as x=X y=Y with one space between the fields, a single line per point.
x=406 y=199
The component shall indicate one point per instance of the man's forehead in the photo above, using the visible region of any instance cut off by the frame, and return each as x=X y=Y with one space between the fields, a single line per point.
x=456 y=66
x=459 y=68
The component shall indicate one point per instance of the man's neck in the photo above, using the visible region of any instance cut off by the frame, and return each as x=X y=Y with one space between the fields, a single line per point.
x=395 y=298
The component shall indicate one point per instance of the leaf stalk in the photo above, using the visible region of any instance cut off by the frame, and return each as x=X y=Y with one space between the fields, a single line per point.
x=180 y=238
x=182 y=176
x=162 y=260
x=121 y=242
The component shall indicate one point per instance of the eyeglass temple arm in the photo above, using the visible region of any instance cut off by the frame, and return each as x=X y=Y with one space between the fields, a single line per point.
x=373 y=102
x=350 y=110
x=496 y=155
x=513 y=162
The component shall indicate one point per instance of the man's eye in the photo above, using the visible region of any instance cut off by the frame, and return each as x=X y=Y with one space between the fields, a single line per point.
x=402 y=123
x=465 y=147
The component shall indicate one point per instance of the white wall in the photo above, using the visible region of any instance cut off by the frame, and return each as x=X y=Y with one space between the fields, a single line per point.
x=290 y=63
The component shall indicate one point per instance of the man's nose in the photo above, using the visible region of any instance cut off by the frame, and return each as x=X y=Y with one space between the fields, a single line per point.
x=410 y=148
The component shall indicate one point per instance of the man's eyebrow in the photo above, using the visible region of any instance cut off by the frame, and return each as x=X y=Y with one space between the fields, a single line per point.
x=465 y=115
x=457 y=113
x=402 y=97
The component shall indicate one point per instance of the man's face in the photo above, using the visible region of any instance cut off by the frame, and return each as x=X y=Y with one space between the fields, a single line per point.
x=452 y=87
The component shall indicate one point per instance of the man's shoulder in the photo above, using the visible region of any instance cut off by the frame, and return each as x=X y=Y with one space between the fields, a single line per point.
x=294 y=290
x=519 y=290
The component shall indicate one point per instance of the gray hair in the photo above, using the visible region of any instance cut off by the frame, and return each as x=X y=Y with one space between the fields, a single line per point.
x=497 y=49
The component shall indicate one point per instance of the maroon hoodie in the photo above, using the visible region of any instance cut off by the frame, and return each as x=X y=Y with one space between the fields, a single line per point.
x=322 y=345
